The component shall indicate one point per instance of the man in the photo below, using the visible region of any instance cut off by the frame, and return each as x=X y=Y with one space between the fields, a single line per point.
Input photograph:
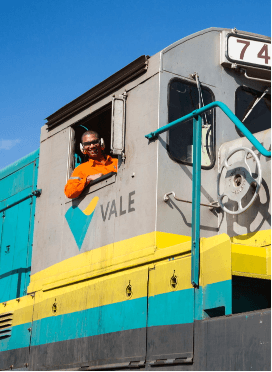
x=97 y=165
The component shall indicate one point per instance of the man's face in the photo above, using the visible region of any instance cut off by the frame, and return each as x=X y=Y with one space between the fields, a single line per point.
x=94 y=149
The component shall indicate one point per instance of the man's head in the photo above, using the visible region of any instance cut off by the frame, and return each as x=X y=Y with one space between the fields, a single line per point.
x=91 y=144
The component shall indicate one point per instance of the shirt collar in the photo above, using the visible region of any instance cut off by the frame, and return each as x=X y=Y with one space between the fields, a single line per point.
x=102 y=161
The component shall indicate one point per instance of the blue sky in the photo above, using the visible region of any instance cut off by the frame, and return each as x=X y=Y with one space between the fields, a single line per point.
x=53 y=51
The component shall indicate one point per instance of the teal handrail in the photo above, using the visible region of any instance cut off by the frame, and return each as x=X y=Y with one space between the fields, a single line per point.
x=228 y=112
x=197 y=124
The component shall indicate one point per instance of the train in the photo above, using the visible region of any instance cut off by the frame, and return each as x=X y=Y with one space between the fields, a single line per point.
x=166 y=264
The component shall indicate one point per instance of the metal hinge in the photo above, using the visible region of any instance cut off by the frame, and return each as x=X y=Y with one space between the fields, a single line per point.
x=163 y=362
x=132 y=364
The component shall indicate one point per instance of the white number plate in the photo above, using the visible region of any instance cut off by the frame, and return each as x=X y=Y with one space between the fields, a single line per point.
x=249 y=51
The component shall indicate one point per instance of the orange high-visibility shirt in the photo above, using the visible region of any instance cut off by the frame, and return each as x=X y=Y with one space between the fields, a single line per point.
x=76 y=184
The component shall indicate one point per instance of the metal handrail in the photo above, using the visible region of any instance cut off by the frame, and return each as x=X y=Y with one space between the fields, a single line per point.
x=228 y=112
x=33 y=193
x=197 y=134
x=212 y=205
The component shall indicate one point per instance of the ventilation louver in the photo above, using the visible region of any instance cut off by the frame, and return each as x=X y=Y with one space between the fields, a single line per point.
x=5 y=325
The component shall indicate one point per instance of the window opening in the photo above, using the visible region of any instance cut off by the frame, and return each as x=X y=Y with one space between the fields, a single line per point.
x=99 y=122
x=183 y=98
x=255 y=116
x=250 y=294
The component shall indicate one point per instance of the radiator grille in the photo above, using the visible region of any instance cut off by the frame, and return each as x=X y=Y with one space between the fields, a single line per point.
x=5 y=325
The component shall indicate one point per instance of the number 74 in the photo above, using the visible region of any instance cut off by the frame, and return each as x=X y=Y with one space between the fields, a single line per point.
x=263 y=53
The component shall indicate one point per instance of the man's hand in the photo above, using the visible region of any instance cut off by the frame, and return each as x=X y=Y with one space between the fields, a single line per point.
x=93 y=177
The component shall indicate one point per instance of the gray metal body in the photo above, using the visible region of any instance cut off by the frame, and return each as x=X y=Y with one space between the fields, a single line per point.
x=148 y=172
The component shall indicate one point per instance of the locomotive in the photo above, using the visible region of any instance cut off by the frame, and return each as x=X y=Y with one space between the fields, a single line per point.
x=165 y=264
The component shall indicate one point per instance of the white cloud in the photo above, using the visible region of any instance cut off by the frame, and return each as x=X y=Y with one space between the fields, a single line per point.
x=8 y=144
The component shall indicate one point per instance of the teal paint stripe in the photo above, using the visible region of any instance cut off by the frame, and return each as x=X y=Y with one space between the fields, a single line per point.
x=20 y=337
x=211 y=296
x=171 y=308
x=175 y=307
x=117 y=317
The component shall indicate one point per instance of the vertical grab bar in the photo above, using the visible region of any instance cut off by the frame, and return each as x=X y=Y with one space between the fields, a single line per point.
x=197 y=131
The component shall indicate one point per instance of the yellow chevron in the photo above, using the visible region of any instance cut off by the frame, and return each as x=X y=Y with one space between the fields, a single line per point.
x=91 y=207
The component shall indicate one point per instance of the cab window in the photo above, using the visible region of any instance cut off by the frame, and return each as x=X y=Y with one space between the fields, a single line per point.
x=183 y=98
x=258 y=119
x=99 y=122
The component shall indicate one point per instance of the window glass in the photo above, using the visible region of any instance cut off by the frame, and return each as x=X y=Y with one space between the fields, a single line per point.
x=183 y=98
x=259 y=118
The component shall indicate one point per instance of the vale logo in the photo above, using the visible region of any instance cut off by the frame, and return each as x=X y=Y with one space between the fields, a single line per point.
x=79 y=221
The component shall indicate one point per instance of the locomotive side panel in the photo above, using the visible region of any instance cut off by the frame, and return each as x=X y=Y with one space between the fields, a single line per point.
x=179 y=61
x=111 y=211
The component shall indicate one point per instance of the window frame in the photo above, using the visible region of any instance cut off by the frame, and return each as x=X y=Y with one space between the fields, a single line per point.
x=214 y=123
x=84 y=121
x=106 y=179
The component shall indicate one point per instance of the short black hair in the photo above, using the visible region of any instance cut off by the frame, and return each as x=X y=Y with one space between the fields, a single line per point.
x=90 y=132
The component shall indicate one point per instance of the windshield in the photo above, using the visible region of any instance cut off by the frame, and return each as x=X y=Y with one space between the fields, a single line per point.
x=259 y=118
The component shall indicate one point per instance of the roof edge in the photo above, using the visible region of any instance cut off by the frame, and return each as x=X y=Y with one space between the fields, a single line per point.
x=17 y=165
x=99 y=91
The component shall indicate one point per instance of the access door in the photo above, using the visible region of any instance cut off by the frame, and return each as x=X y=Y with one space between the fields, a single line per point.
x=170 y=313
x=16 y=227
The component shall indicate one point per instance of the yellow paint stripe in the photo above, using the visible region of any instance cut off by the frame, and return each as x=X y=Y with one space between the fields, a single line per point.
x=164 y=240
x=118 y=256
x=160 y=275
x=94 y=271
x=252 y=261
x=268 y=260
x=251 y=275
x=111 y=289
x=257 y=239
x=91 y=207
x=91 y=294
x=215 y=259
x=22 y=309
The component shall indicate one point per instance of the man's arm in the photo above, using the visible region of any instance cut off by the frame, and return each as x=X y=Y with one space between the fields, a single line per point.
x=77 y=182
x=93 y=177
